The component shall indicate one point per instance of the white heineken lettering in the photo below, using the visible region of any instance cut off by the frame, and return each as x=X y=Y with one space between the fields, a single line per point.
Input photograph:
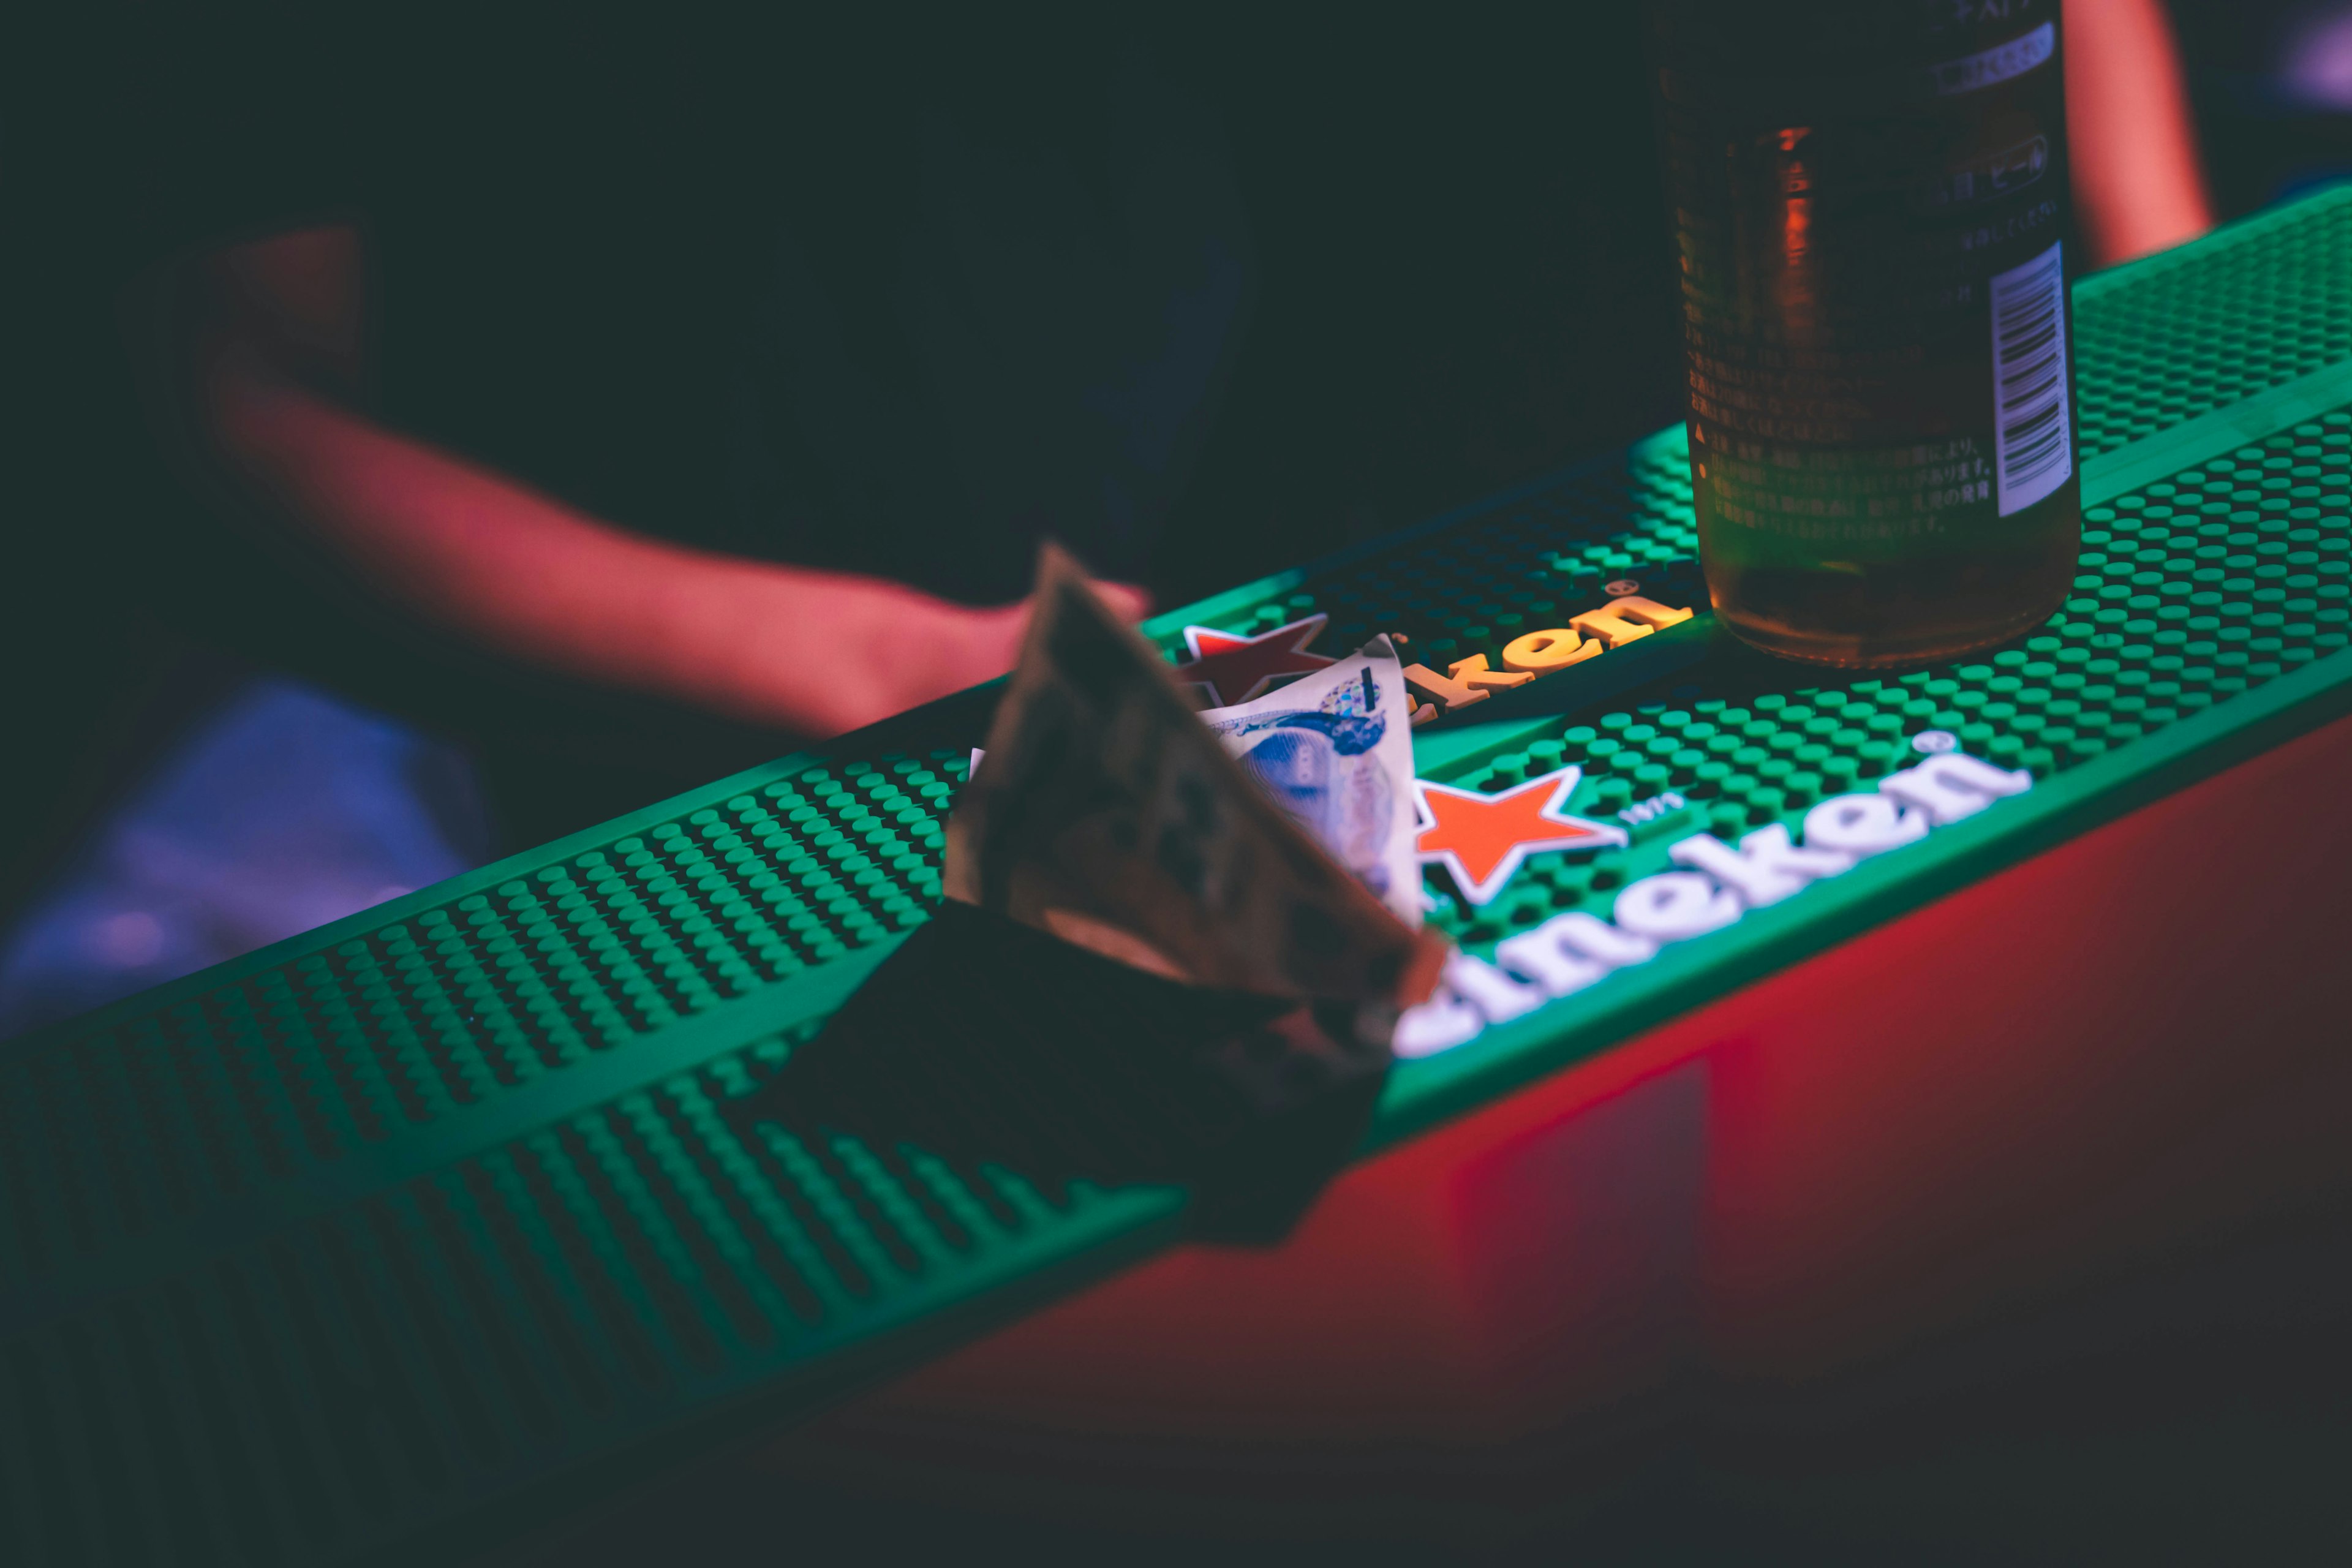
x=1863 y=824
x=1570 y=951
x=1953 y=785
x=1552 y=964
x=1674 y=906
x=1596 y=938
x=1440 y=1023
x=1573 y=951
x=1765 y=868
x=1657 y=805
x=1492 y=992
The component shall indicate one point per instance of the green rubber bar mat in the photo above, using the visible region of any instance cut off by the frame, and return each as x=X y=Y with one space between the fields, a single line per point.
x=398 y=1236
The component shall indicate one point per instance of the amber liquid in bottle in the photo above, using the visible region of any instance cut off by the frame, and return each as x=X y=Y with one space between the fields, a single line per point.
x=1869 y=210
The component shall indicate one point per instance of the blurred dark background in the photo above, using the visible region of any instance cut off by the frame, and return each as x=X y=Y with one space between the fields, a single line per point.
x=2272 y=85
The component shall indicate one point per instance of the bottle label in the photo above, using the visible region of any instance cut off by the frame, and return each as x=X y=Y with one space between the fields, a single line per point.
x=2033 y=449
x=1873 y=289
x=1987 y=67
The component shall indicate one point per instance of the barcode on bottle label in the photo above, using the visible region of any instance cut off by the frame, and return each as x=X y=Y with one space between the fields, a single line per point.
x=2033 y=449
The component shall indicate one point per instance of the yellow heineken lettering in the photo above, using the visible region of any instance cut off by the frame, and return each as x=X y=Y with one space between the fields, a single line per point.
x=1444 y=688
x=1472 y=671
x=1554 y=647
x=1223 y=662
x=1527 y=656
x=1622 y=620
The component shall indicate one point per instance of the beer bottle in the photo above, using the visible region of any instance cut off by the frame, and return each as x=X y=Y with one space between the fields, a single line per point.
x=1870 y=209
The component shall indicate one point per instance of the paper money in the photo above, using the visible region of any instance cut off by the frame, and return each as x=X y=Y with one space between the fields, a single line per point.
x=1110 y=814
x=1334 y=749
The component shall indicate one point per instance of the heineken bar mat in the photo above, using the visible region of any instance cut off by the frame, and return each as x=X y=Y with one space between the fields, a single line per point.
x=395 y=1238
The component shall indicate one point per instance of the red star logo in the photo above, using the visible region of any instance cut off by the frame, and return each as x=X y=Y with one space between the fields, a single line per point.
x=1236 y=670
x=1482 y=840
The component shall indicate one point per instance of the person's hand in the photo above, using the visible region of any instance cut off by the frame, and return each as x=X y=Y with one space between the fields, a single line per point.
x=479 y=556
x=858 y=649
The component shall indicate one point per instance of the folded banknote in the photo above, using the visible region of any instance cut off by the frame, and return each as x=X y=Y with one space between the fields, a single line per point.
x=1334 y=749
x=1107 y=813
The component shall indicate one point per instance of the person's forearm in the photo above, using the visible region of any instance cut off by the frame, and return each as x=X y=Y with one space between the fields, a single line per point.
x=529 y=577
x=2139 y=185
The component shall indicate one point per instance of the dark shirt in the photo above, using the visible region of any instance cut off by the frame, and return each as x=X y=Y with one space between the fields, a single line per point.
x=859 y=293
x=900 y=292
x=892 y=305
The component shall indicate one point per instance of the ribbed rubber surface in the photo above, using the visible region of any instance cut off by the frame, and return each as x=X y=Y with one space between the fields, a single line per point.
x=2198 y=328
x=2191 y=592
x=321 y=1254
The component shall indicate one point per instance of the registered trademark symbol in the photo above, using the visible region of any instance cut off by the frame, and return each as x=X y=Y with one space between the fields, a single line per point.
x=1933 y=740
x=1620 y=589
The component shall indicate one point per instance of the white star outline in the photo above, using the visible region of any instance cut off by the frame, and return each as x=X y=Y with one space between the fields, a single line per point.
x=1563 y=783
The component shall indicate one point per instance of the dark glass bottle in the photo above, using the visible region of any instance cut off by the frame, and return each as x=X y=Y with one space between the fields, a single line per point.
x=1869 y=210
